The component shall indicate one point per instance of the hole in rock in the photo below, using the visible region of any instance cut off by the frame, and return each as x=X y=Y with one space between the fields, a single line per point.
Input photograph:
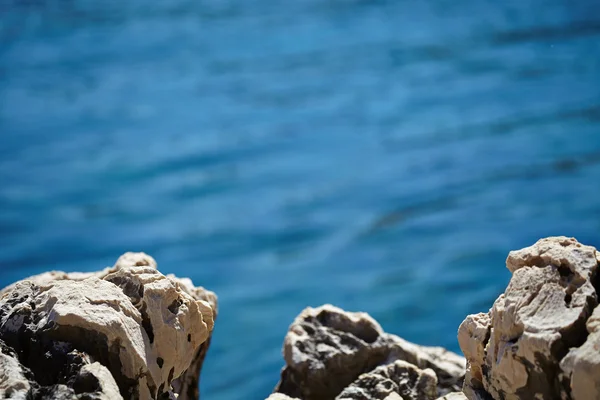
x=86 y=383
x=147 y=325
x=361 y=329
x=564 y=271
x=174 y=307
x=160 y=362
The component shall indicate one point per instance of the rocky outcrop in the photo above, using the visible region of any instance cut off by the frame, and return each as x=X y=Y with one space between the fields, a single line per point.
x=125 y=332
x=129 y=331
x=330 y=353
x=541 y=338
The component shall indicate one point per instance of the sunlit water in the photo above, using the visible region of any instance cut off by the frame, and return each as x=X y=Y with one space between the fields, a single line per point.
x=381 y=156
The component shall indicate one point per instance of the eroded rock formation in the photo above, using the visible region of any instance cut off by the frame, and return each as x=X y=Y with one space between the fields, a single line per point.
x=125 y=332
x=541 y=338
x=330 y=353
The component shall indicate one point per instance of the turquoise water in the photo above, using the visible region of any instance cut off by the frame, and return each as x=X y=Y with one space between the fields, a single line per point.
x=381 y=156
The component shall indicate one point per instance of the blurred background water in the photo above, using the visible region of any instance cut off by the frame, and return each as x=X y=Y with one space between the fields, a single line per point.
x=382 y=156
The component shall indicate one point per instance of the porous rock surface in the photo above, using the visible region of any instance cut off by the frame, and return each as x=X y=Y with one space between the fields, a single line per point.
x=398 y=378
x=541 y=338
x=124 y=332
x=333 y=354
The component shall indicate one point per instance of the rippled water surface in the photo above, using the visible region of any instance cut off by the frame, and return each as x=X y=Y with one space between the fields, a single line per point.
x=379 y=155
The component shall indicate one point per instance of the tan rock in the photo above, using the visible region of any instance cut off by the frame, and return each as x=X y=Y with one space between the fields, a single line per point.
x=146 y=328
x=516 y=351
x=581 y=366
x=187 y=385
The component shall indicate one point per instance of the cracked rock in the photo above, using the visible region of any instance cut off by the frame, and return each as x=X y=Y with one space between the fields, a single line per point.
x=124 y=332
x=534 y=341
x=327 y=350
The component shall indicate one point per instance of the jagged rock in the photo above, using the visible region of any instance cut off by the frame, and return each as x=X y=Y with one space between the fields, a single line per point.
x=533 y=343
x=400 y=378
x=127 y=326
x=187 y=385
x=327 y=349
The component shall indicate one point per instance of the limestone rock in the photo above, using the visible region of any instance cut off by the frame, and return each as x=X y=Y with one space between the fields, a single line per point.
x=399 y=378
x=134 y=330
x=187 y=385
x=327 y=349
x=533 y=343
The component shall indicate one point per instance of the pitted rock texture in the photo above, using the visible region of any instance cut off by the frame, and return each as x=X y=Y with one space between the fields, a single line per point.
x=327 y=349
x=540 y=340
x=127 y=327
x=400 y=378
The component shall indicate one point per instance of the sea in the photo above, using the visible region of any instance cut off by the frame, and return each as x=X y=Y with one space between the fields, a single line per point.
x=381 y=156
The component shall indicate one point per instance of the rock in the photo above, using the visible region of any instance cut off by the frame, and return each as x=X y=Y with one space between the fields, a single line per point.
x=13 y=383
x=581 y=366
x=187 y=385
x=534 y=342
x=127 y=329
x=327 y=349
x=81 y=379
x=454 y=396
x=279 y=396
x=399 y=378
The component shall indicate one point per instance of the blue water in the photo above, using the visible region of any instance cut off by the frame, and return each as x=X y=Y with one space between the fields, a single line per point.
x=382 y=156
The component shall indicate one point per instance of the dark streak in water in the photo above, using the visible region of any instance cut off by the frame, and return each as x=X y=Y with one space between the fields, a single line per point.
x=547 y=33
x=494 y=127
x=402 y=214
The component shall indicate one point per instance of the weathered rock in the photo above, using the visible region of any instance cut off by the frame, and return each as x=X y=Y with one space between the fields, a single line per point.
x=327 y=349
x=187 y=385
x=400 y=378
x=128 y=325
x=533 y=343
